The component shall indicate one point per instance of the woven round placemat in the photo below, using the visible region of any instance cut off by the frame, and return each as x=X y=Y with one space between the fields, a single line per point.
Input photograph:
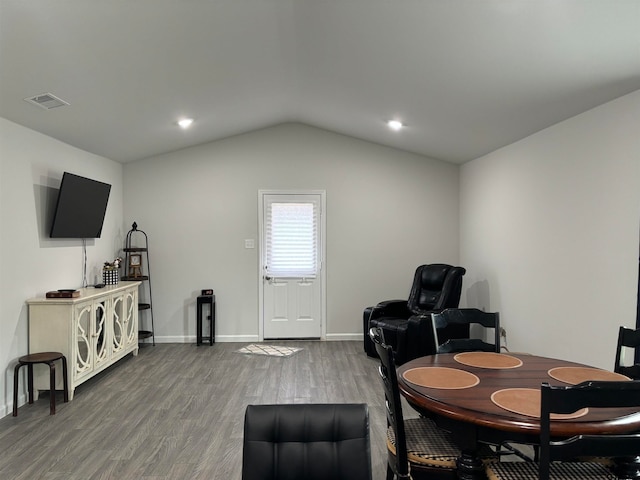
x=487 y=360
x=576 y=375
x=440 y=377
x=526 y=401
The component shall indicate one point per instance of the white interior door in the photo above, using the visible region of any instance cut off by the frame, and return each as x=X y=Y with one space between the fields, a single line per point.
x=291 y=266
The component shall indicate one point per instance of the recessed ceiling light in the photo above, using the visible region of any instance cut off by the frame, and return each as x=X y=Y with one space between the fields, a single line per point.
x=395 y=125
x=185 y=122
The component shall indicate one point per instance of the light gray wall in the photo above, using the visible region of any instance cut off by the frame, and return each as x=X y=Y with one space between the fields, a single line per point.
x=387 y=212
x=548 y=228
x=549 y=234
x=31 y=167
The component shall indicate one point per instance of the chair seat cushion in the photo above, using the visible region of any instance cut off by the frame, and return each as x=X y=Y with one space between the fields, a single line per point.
x=426 y=444
x=557 y=471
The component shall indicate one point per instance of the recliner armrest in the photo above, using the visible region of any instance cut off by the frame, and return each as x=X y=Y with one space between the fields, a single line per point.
x=391 y=308
x=427 y=312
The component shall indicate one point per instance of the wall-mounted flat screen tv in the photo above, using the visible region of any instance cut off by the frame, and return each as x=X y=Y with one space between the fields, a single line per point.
x=81 y=206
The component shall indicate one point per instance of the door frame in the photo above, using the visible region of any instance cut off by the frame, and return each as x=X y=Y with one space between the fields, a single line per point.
x=322 y=222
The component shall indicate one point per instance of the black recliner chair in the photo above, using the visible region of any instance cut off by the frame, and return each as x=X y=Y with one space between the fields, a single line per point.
x=405 y=322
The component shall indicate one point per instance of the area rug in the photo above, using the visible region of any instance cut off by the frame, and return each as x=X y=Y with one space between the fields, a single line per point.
x=270 y=350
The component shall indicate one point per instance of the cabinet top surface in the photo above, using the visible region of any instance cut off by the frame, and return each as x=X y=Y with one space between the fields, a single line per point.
x=85 y=294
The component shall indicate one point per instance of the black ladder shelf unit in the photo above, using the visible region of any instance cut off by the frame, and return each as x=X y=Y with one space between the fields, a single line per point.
x=137 y=274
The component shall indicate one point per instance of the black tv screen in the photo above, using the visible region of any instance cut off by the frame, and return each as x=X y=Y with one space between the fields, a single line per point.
x=81 y=206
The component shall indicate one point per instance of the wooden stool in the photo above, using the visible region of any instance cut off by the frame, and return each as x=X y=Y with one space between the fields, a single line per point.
x=29 y=361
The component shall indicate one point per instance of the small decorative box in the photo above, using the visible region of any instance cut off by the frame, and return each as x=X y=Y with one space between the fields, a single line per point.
x=110 y=276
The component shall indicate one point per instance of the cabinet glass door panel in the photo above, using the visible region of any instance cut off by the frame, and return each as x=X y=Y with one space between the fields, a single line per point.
x=100 y=335
x=83 y=361
x=130 y=304
x=118 y=319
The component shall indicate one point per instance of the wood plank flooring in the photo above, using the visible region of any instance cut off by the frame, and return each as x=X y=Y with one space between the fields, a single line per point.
x=176 y=411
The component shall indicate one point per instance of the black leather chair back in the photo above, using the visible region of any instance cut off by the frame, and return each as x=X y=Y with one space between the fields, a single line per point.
x=564 y=400
x=435 y=287
x=467 y=317
x=306 y=441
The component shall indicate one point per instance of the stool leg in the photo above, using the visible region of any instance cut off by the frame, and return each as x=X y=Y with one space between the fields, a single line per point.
x=30 y=381
x=64 y=379
x=52 y=388
x=16 y=373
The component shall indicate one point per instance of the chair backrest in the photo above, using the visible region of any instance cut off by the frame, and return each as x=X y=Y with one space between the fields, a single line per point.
x=565 y=400
x=395 y=420
x=630 y=338
x=435 y=287
x=310 y=441
x=469 y=317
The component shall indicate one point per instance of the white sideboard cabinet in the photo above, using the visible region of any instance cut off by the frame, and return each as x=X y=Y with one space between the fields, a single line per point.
x=93 y=331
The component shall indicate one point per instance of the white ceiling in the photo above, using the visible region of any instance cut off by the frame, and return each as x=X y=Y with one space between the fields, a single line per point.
x=466 y=76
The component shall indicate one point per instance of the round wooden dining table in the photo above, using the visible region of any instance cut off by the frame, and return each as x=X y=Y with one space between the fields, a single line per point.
x=483 y=397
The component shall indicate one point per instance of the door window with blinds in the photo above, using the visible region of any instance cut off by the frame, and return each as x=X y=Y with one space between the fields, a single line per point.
x=291 y=238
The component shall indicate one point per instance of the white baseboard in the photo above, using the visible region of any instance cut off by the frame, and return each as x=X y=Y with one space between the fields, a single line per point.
x=247 y=338
x=192 y=339
x=8 y=408
x=344 y=337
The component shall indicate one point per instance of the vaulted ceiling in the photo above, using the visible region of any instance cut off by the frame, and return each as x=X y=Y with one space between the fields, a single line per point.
x=465 y=76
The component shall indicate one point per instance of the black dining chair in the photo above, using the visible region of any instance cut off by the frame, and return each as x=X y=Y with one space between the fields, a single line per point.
x=468 y=317
x=629 y=338
x=558 y=456
x=415 y=446
x=488 y=321
x=306 y=441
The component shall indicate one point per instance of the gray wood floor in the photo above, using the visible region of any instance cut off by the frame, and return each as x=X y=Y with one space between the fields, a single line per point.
x=176 y=411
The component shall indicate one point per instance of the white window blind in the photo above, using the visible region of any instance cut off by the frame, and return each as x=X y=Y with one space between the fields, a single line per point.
x=291 y=246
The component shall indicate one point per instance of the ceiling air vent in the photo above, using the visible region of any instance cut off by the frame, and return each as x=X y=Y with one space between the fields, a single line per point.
x=47 y=101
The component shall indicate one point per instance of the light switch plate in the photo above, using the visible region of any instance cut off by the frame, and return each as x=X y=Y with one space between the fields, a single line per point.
x=249 y=243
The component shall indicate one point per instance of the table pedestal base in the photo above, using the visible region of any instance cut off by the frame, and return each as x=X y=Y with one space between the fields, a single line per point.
x=470 y=467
